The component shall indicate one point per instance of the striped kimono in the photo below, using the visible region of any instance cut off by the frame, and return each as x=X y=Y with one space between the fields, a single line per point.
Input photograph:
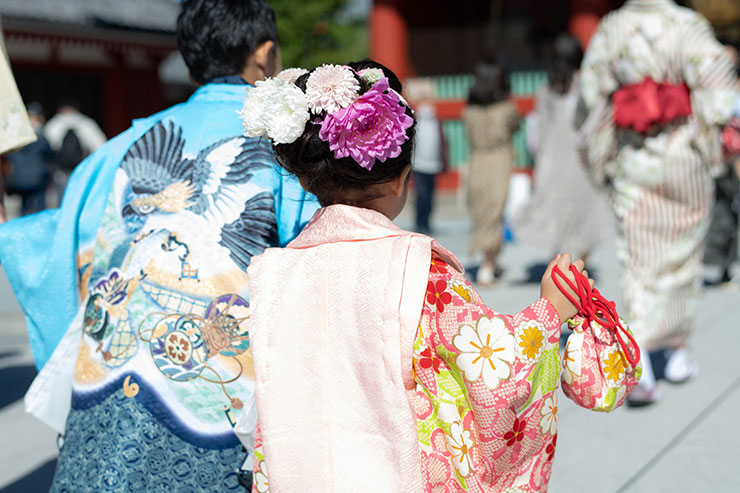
x=659 y=181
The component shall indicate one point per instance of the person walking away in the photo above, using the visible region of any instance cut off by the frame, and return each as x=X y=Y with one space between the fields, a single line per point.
x=656 y=87
x=430 y=159
x=30 y=167
x=73 y=136
x=491 y=120
x=565 y=212
x=370 y=348
x=136 y=289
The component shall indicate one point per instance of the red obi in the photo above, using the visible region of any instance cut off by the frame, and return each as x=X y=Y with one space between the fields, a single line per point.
x=731 y=139
x=644 y=105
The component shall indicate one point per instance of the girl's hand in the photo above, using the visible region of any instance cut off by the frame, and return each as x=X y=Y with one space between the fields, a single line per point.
x=549 y=290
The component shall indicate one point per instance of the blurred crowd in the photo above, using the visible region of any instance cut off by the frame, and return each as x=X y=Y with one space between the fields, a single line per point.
x=38 y=172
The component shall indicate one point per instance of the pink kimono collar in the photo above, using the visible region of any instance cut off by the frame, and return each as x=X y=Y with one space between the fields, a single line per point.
x=339 y=223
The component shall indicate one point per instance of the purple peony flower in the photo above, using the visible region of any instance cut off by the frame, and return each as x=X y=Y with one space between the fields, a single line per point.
x=372 y=127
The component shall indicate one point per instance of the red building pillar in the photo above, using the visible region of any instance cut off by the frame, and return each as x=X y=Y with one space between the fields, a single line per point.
x=389 y=36
x=114 y=94
x=585 y=17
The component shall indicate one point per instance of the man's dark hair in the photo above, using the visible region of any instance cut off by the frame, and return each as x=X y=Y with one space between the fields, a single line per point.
x=216 y=37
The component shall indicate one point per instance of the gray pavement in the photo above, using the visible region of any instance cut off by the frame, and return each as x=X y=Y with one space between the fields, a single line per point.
x=688 y=442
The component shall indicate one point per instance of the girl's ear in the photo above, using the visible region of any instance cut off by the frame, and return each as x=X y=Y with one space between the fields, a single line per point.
x=398 y=186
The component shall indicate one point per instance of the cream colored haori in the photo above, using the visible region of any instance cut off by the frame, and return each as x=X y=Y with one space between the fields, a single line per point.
x=15 y=129
x=660 y=184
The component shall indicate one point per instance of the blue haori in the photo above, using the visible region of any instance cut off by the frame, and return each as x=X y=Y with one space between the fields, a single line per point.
x=144 y=268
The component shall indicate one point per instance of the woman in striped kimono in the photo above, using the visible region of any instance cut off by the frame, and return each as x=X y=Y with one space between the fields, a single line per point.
x=656 y=87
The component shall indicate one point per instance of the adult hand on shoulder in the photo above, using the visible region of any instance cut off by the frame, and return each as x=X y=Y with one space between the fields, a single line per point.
x=549 y=290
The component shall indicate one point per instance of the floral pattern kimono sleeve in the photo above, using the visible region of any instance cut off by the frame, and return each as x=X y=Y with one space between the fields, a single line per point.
x=486 y=394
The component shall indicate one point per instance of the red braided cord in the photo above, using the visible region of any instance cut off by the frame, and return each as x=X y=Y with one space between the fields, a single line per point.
x=592 y=306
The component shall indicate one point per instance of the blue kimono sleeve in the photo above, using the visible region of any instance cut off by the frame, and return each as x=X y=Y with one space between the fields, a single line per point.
x=295 y=206
x=39 y=253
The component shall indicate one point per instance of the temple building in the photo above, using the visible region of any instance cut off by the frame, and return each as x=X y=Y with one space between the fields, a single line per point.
x=113 y=58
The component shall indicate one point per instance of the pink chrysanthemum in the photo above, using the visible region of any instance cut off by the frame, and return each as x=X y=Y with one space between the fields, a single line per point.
x=330 y=88
x=372 y=127
x=290 y=75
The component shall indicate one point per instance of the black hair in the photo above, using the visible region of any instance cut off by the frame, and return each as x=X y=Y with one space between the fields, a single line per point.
x=342 y=181
x=491 y=84
x=568 y=57
x=216 y=37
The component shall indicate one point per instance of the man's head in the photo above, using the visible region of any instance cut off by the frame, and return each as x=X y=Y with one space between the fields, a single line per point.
x=228 y=37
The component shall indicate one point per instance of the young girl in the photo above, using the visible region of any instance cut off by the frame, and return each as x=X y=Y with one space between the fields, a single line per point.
x=377 y=365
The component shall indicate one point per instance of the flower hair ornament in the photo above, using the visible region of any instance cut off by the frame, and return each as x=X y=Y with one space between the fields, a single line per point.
x=367 y=127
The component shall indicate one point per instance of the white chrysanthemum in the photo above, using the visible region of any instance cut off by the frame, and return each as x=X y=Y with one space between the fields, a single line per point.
x=290 y=75
x=287 y=115
x=254 y=111
x=371 y=75
x=330 y=88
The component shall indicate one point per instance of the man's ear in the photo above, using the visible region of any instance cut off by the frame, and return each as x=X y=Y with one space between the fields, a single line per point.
x=267 y=58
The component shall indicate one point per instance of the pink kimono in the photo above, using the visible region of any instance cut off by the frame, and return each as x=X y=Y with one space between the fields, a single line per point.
x=379 y=368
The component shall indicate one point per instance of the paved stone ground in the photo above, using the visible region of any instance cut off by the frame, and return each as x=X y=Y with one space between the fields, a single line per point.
x=688 y=442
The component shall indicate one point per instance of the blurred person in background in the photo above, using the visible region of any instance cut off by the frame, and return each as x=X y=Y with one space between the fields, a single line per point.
x=15 y=128
x=721 y=249
x=491 y=120
x=429 y=159
x=136 y=290
x=656 y=87
x=29 y=169
x=566 y=212
x=73 y=136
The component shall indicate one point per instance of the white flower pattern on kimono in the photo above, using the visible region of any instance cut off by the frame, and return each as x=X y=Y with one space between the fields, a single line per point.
x=549 y=413
x=260 y=478
x=572 y=357
x=459 y=444
x=487 y=349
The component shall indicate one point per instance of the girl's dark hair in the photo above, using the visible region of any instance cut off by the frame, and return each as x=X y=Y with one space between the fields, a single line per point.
x=342 y=181
x=216 y=37
x=491 y=84
x=568 y=57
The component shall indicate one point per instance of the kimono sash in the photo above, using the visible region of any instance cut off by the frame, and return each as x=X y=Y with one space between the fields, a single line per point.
x=334 y=316
x=647 y=104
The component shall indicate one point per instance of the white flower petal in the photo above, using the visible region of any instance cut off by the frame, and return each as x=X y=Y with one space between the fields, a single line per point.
x=471 y=365
x=494 y=370
x=489 y=330
x=467 y=340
